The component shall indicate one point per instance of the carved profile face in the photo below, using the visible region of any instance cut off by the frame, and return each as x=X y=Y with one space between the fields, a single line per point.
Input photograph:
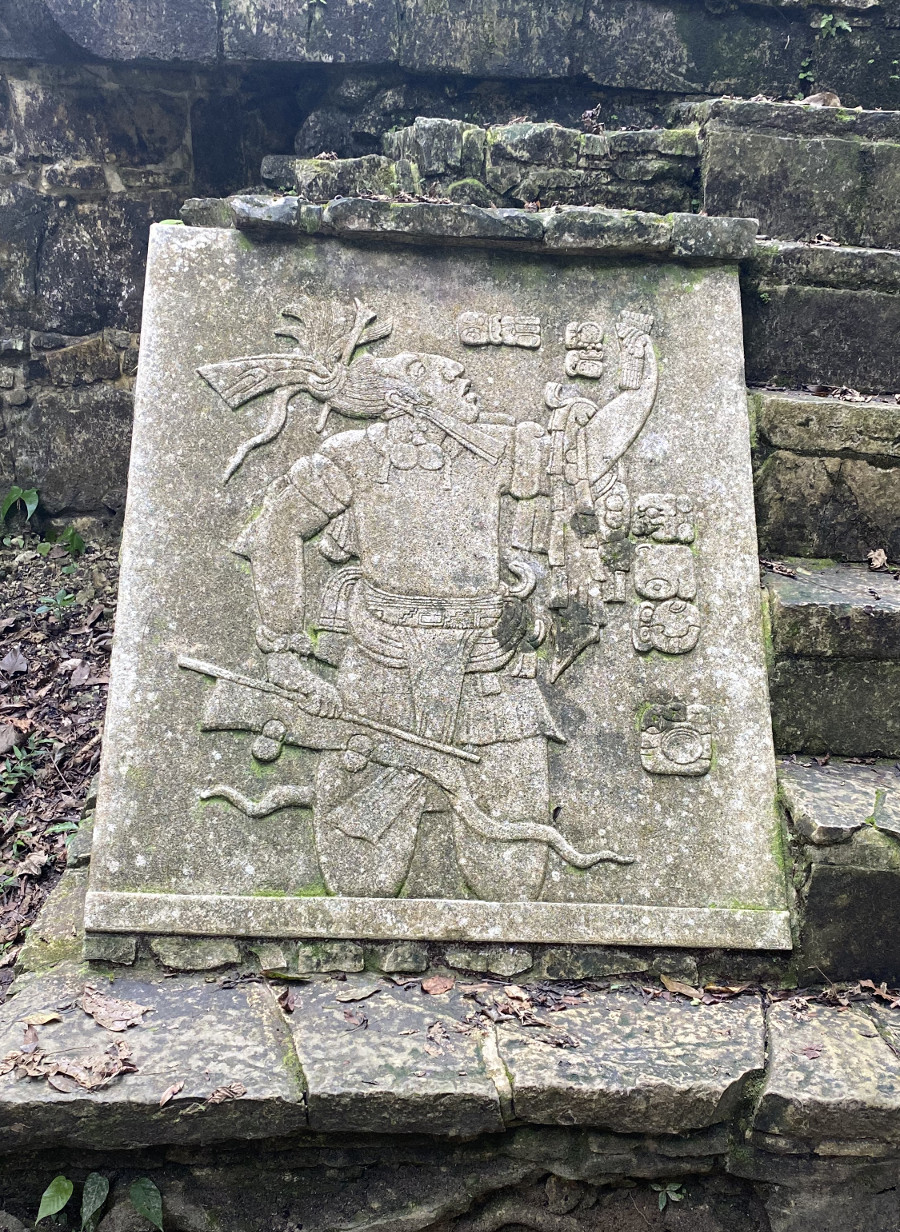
x=440 y=382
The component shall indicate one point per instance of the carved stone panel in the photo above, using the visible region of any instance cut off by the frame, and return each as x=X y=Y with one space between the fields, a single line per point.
x=440 y=611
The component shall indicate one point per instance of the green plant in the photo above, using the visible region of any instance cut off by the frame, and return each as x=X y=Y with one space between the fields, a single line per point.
x=55 y=1197
x=806 y=73
x=68 y=539
x=55 y=605
x=19 y=496
x=829 y=24
x=93 y=1197
x=670 y=1191
x=20 y=763
x=147 y=1201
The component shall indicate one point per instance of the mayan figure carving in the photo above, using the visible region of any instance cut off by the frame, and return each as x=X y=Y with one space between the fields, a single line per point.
x=434 y=688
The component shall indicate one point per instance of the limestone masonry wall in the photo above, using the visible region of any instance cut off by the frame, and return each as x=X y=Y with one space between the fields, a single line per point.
x=759 y=1111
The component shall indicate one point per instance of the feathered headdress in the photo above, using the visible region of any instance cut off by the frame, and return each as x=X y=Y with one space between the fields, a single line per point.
x=325 y=342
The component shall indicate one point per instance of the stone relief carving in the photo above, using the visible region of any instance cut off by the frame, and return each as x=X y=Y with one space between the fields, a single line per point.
x=483 y=329
x=584 y=350
x=413 y=671
x=676 y=739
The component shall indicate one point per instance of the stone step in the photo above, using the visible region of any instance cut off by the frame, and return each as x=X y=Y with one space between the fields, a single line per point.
x=827 y=475
x=835 y=664
x=844 y=823
x=802 y=170
x=818 y=313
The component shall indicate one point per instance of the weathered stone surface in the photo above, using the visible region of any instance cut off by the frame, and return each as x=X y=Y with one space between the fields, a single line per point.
x=804 y=423
x=830 y=611
x=848 y=1089
x=269 y=873
x=206 y=212
x=330 y=956
x=359 y=31
x=78 y=848
x=432 y=222
x=828 y=804
x=841 y=706
x=381 y=1058
x=816 y=314
x=696 y=236
x=825 y=507
x=402 y=956
x=72 y=445
x=195 y=953
x=110 y=948
x=507 y=960
x=204 y=1035
x=590 y=229
x=56 y=934
x=587 y=963
x=320 y=179
x=139 y=30
x=635 y=1066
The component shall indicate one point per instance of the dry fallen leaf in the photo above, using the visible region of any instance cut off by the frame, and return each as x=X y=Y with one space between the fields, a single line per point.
x=812 y=1051
x=877 y=559
x=357 y=1019
x=437 y=985
x=357 y=994
x=221 y=1095
x=685 y=990
x=9 y=738
x=41 y=1017
x=111 y=1012
x=169 y=1092
x=13 y=661
x=515 y=993
x=80 y=675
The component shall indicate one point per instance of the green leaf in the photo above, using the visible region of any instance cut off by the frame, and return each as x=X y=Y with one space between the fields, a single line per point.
x=9 y=500
x=55 y=1197
x=96 y=1189
x=147 y=1200
x=662 y=1200
x=30 y=501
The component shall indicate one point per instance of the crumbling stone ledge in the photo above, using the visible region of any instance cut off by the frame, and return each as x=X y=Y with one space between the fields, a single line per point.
x=363 y=1054
x=568 y=230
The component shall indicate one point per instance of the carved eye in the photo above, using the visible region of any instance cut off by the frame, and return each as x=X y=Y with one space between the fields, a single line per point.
x=416 y=369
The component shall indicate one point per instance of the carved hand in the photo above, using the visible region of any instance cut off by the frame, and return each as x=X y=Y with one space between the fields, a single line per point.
x=288 y=671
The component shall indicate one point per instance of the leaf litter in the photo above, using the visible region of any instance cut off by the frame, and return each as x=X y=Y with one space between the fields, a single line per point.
x=53 y=681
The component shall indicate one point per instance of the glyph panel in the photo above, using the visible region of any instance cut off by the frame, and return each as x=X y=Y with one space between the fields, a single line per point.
x=440 y=607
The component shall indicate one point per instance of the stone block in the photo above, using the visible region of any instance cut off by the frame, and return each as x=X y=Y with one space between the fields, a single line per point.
x=120 y=128
x=592 y=229
x=23 y=221
x=56 y=935
x=115 y=948
x=195 y=953
x=330 y=956
x=587 y=962
x=72 y=445
x=321 y=179
x=402 y=956
x=501 y=960
x=131 y=30
x=434 y=222
x=360 y=32
x=282 y=855
x=78 y=847
x=625 y=1064
x=802 y=185
x=378 y=1058
x=84 y=362
x=847 y=707
x=696 y=235
x=271 y=957
x=835 y=611
x=90 y=265
x=204 y=1035
x=503 y=39
x=806 y=424
x=821 y=506
x=831 y=1075
x=206 y=212
x=822 y=315
x=828 y=804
